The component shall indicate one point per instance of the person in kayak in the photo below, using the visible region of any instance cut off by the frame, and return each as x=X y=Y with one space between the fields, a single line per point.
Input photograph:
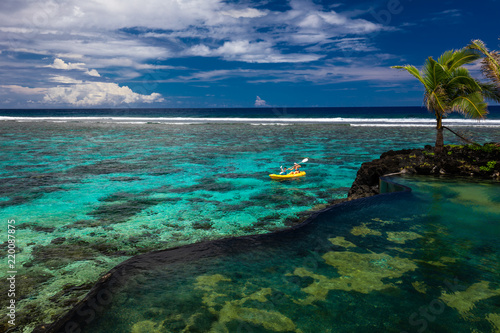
x=295 y=168
x=283 y=170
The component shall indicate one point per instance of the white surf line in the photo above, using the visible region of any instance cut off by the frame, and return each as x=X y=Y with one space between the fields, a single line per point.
x=267 y=121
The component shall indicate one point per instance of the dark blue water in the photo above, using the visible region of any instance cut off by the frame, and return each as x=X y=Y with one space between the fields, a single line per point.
x=346 y=112
x=375 y=112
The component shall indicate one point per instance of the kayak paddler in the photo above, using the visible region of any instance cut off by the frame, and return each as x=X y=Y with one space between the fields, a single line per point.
x=296 y=168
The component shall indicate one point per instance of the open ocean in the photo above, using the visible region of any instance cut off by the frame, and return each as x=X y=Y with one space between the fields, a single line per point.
x=89 y=189
x=354 y=116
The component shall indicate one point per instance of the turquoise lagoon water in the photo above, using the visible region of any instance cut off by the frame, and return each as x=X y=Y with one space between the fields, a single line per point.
x=87 y=195
x=426 y=261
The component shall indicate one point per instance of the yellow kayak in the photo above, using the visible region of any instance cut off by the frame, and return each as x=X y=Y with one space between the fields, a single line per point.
x=300 y=174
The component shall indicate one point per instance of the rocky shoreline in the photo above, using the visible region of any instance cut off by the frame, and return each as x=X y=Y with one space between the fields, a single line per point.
x=473 y=161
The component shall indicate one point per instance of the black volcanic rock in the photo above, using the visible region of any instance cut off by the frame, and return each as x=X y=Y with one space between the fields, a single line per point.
x=471 y=161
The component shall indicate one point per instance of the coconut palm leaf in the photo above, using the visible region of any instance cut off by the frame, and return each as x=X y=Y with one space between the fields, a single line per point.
x=412 y=70
x=437 y=101
x=490 y=63
x=462 y=76
x=462 y=57
x=434 y=74
x=471 y=105
x=491 y=91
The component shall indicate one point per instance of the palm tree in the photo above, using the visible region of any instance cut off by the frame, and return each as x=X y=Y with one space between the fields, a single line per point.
x=449 y=87
x=490 y=65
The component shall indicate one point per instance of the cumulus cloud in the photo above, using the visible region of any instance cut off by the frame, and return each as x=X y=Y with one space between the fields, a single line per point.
x=260 y=102
x=93 y=72
x=87 y=94
x=60 y=64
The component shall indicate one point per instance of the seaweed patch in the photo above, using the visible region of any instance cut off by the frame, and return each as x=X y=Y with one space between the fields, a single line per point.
x=361 y=272
x=401 y=237
x=340 y=241
x=363 y=231
x=465 y=301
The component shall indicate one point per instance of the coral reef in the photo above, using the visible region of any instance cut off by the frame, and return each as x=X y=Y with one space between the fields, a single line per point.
x=361 y=272
x=464 y=301
x=340 y=241
x=419 y=286
x=494 y=319
x=235 y=311
x=401 y=237
x=364 y=231
x=223 y=311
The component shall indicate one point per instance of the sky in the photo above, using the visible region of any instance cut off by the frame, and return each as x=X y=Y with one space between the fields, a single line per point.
x=214 y=53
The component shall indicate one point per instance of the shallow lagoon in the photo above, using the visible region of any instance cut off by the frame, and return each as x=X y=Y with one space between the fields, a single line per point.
x=87 y=196
x=401 y=262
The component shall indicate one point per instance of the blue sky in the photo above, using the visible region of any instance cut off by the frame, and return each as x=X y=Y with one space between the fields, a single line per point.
x=213 y=53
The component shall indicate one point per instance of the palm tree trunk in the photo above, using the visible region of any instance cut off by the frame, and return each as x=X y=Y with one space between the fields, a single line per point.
x=438 y=148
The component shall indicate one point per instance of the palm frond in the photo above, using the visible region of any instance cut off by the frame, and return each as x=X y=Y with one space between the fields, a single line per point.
x=479 y=45
x=413 y=71
x=491 y=62
x=491 y=68
x=471 y=105
x=437 y=101
x=461 y=77
x=462 y=57
x=433 y=74
x=446 y=57
x=491 y=91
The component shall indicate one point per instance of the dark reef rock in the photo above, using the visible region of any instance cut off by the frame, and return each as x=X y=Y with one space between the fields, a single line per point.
x=471 y=160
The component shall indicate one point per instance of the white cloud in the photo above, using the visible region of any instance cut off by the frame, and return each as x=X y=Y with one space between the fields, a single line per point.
x=450 y=13
x=93 y=28
x=124 y=37
x=93 y=72
x=354 y=44
x=60 y=64
x=105 y=47
x=69 y=55
x=150 y=66
x=64 y=79
x=96 y=93
x=260 y=102
x=366 y=70
x=16 y=89
x=78 y=93
x=251 y=52
x=247 y=13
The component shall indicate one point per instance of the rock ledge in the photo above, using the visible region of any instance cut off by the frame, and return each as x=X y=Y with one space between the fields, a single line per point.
x=476 y=161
